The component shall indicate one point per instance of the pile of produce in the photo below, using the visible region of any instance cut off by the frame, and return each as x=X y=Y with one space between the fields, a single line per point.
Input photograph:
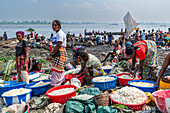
x=41 y=83
x=62 y=91
x=16 y=92
x=53 y=108
x=129 y=95
x=8 y=68
x=127 y=77
x=142 y=84
x=103 y=79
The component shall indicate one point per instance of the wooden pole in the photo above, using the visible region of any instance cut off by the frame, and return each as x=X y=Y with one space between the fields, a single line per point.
x=124 y=38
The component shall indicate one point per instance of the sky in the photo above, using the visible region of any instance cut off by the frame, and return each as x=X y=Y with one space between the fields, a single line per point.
x=102 y=11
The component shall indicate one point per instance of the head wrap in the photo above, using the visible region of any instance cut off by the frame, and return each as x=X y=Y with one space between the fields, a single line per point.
x=20 y=32
x=130 y=50
x=128 y=44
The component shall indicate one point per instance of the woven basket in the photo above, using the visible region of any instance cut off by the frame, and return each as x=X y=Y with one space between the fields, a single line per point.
x=102 y=99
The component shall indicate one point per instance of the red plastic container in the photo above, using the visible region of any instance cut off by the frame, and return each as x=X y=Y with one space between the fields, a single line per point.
x=14 y=78
x=62 y=99
x=162 y=99
x=124 y=82
x=136 y=107
x=69 y=76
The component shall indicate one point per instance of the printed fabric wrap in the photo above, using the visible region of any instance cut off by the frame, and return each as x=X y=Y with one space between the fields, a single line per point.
x=75 y=53
x=98 y=71
x=20 y=63
x=151 y=56
x=95 y=63
x=151 y=60
x=57 y=71
x=58 y=62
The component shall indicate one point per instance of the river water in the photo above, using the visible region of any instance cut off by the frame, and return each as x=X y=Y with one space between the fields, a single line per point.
x=46 y=29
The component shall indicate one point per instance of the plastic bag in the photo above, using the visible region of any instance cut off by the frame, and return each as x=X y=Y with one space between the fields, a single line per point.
x=90 y=91
x=106 y=109
x=25 y=77
x=15 y=108
x=69 y=67
x=74 y=105
x=76 y=82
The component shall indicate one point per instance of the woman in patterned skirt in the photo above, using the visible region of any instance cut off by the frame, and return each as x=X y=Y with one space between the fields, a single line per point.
x=58 y=54
x=146 y=51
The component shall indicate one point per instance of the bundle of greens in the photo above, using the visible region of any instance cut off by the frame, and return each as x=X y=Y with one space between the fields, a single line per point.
x=8 y=68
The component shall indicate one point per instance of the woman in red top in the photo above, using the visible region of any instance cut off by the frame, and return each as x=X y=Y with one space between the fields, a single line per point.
x=31 y=34
x=146 y=51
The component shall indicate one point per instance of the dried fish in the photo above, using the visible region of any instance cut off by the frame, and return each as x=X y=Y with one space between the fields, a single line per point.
x=107 y=67
x=103 y=79
x=53 y=108
x=127 y=77
x=41 y=83
x=142 y=84
x=129 y=95
x=15 y=92
x=62 y=91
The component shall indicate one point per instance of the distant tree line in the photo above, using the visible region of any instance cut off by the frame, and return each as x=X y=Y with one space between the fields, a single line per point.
x=25 y=22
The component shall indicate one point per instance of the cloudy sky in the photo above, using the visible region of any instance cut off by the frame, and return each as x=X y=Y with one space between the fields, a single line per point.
x=109 y=11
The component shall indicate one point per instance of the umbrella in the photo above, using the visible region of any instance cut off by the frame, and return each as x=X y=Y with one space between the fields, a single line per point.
x=30 y=29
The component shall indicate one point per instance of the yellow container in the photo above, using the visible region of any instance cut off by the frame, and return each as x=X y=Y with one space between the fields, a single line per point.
x=164 y=85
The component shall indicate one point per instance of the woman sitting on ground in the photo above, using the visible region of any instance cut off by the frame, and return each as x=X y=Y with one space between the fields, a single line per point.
x=91 y=66
x=113 y=53
x=164 y=73
x=34 y=65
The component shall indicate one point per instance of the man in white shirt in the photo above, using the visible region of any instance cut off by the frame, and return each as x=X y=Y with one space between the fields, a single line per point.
x=143 y=35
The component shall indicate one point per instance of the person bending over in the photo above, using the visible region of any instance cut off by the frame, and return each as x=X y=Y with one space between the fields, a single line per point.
x=91 y=66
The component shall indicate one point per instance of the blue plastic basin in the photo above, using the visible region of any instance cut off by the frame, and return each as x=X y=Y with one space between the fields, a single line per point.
x=11 y=85
x=145 y=89
x=105 y=85
x=9 y=100
x=39 y=89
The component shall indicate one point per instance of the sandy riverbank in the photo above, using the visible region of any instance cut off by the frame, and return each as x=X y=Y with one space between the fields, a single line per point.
x=41 y=53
